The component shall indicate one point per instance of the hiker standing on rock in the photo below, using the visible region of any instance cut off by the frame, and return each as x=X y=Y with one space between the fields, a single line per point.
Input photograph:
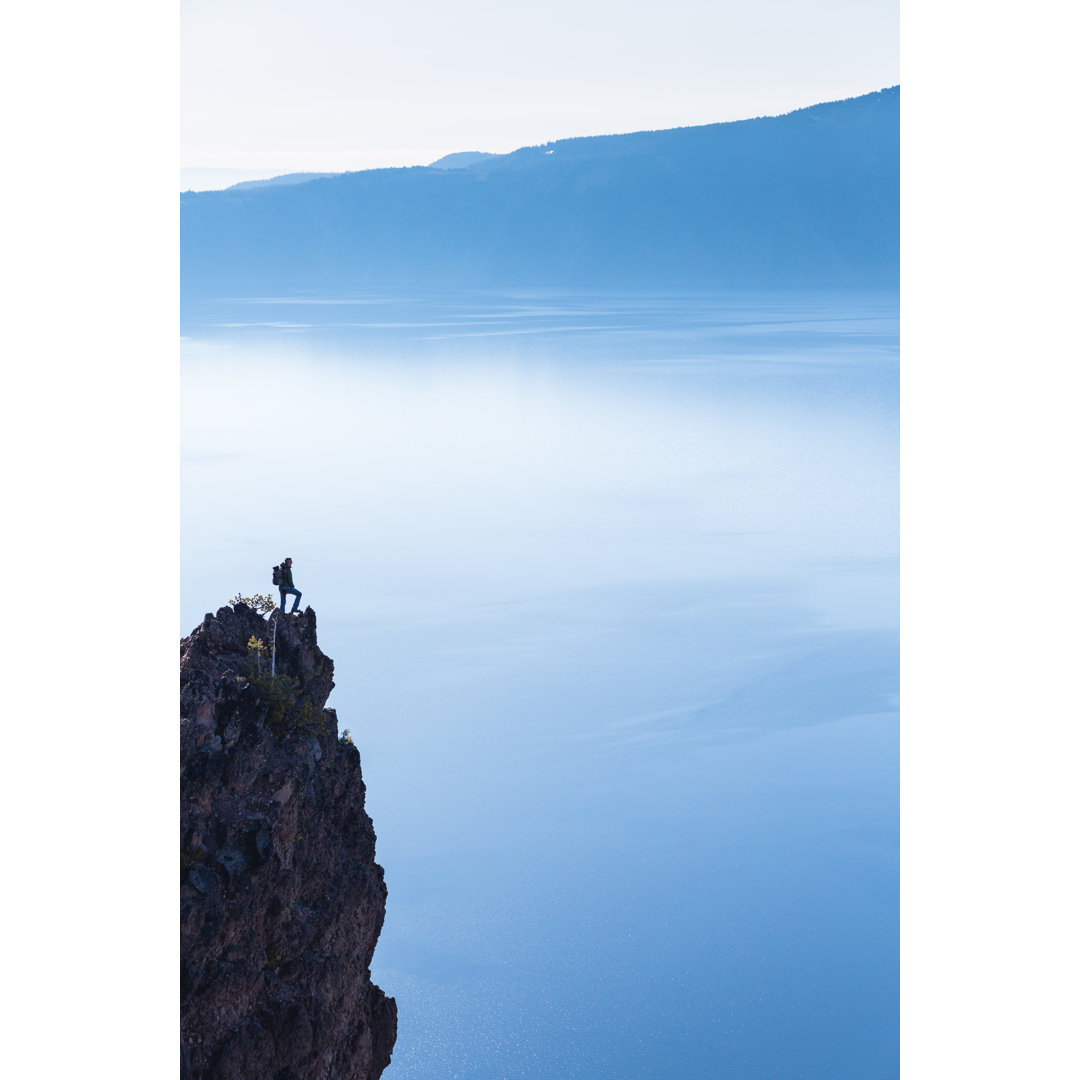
x=286 y=588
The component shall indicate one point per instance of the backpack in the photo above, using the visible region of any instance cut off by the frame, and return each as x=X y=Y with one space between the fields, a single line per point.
x=279 y=577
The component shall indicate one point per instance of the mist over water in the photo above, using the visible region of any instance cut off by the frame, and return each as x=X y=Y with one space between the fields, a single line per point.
x=611 y=587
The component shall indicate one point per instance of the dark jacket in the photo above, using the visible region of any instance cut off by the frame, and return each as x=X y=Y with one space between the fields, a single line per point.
x=286 y=577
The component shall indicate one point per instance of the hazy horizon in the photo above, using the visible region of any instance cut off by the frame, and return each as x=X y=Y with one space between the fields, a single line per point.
x=219 y=177
x=335 y=86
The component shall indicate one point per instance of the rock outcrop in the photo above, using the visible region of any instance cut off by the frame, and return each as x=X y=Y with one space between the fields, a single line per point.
x=281 y=900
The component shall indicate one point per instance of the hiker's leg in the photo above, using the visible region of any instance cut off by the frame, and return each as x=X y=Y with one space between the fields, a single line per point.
x=282 y=591
x=296 y=599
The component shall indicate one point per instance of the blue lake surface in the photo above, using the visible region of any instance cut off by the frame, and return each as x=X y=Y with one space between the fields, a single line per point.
x=610 y=583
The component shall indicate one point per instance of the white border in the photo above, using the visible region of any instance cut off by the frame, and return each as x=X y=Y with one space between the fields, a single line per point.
x=989 y=543
x=90 y=444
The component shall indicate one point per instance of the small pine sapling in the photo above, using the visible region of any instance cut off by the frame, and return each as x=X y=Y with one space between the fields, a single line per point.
x=260 y=602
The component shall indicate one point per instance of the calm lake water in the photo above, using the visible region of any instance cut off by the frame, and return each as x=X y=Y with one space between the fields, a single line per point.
x=610 y=583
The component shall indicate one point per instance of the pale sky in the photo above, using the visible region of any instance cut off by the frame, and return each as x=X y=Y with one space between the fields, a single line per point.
x=271 y=86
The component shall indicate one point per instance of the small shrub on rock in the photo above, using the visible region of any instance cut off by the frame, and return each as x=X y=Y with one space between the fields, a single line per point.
x=287 y=712
x=260 y=602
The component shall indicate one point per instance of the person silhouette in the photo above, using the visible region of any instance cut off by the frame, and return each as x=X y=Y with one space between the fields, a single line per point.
x=286 y=588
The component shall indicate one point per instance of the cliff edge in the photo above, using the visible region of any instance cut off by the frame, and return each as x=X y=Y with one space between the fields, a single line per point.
x=281 y=900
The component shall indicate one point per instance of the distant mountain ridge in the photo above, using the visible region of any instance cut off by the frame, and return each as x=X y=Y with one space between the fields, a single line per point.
x=808 y=198
x=464 y=159
x=275 y=181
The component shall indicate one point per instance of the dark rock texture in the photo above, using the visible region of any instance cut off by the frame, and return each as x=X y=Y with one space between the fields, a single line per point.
x=281 y=900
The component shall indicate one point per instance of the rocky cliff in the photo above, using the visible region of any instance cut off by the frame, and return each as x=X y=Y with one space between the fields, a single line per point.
x=281 y=900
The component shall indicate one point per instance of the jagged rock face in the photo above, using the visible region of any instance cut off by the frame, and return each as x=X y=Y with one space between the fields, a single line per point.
x=281 y=900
